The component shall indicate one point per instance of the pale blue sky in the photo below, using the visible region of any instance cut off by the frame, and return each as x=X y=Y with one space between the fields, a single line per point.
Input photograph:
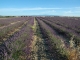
x=40 y=7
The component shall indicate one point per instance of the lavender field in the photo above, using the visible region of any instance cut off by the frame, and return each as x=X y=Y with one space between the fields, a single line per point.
x=40 y=38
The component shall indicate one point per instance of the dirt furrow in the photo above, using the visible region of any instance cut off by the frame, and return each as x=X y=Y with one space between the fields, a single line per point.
x=38 y=45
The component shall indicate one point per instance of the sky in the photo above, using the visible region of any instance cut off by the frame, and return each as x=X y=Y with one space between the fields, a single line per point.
x=40 y=7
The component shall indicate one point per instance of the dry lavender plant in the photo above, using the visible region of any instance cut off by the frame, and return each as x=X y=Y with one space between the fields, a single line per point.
x=73 y=52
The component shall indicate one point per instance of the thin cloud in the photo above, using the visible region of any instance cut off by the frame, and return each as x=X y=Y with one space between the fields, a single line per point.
x=73 y=11
x=77 y=7
x=77 y=11
x=26 y=9
x=48 y=12
x=68 y=12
